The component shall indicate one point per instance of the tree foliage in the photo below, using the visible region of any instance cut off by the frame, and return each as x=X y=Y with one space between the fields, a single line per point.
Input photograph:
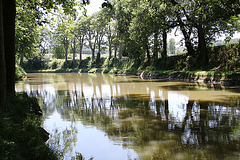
x=27 y=30
x=139 y=28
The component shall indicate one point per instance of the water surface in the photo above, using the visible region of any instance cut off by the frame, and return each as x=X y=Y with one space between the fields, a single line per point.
x=115 y=117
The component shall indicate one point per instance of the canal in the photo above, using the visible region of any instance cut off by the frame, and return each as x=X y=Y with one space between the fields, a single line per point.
x=122 y=117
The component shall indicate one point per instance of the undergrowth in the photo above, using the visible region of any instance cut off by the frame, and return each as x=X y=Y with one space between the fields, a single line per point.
x=21 y=135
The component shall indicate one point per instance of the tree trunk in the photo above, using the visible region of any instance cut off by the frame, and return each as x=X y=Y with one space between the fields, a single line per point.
x=9 y=13
x=66 y=51
x=109 y=41
x=80 y=53
x=188 y=42
x=93 y=54
x=66 y=44
x=80 y=49
x=120 y=51
x=115 y=50
x=99 y=49
x=92 y=47
x=74 y=50
x=2 y=65
x=164 y=53
x=74 y=54
x=202 y=47
x=187 y=37
x=110 y=50
x=21 y=60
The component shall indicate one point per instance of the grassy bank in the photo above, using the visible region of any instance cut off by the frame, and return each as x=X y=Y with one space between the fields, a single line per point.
x=21 y=135
x=157 y=69
x=224 y=64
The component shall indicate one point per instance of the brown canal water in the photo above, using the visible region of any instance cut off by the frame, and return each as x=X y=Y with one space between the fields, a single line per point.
x=107 y=117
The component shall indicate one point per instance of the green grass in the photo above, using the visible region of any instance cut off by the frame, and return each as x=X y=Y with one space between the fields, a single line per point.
x=130 y=67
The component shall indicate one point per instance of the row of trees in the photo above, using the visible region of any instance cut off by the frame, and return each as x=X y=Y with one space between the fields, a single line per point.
x=95 y=32
x=143 y=25
x=139 y=28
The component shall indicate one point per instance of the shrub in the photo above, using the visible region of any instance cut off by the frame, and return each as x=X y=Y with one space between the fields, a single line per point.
x=59 y=52
x=20 y=73
x=84 y=63
x=57 y=64
x=225 y=57
x=36 y=63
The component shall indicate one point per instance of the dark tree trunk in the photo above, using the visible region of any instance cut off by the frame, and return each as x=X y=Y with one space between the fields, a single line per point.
x=80 y=49
x=2 y=65
x=74 y=54
x=66 y=45
x=99 y=50
x=187 y=37
x=110 y=50
x=9 y=13
x=80 y=53
x=202 y=47
x=93 y=54
x=188 y=43
x=109 y=41
x=164 y=53
x=66 y=52
x=21 y=60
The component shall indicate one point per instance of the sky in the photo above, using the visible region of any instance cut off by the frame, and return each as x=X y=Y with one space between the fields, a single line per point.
x=94 y=6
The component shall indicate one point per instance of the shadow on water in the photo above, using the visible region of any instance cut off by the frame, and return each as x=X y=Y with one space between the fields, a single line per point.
x=144 y=81
x=195 y=87
x=235 y=89
x=192 y=86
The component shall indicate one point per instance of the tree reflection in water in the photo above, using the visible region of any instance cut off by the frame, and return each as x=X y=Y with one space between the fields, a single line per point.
x=156 y=124
x=154 y=129
x=63 y=141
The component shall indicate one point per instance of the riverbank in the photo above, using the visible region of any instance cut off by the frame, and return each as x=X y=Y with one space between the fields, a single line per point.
x=223 y=66
x=214 y=77
x=196 y=76
x=21 y=134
